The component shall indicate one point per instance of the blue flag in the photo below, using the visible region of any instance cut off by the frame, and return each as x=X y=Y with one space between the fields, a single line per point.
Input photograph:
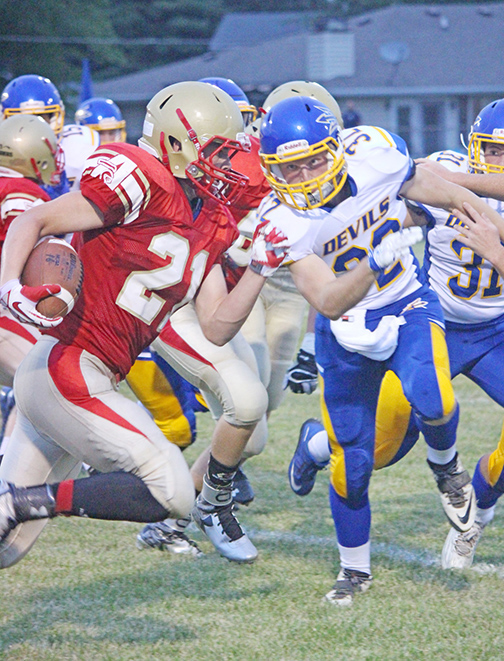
x=86 y=82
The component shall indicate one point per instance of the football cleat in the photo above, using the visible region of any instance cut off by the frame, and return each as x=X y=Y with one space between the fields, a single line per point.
x=223 y=529
x=349 y=582
x=457 y=493
x=8 y=519
x=459 y=547
x=303 y=468
x=165 y=538
x=243 y=493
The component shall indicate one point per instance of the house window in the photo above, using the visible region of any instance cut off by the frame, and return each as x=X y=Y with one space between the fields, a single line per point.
x=432 y=131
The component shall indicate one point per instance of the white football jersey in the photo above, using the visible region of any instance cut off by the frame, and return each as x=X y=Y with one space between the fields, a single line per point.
x=469 y=288
x=78 y=142
x=378 y=165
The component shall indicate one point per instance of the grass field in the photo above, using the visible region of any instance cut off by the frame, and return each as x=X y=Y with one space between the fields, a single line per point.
x=85 y=591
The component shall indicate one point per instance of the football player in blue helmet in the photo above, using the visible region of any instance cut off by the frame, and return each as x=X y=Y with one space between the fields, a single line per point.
x=104 y=116
x=34 y=95
x=302 y=153
x=248 y=111
x=486 y=139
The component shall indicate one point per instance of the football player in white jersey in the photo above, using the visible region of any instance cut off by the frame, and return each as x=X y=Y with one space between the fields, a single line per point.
x=467 y=273
x=335 y=198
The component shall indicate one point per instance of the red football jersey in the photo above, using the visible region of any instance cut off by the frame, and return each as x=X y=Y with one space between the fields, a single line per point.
x=17 y=194
x=149 y=258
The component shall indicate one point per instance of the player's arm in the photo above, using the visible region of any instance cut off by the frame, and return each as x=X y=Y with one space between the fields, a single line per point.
x=485 y=185
x=222 y=314
x=428 y=188
x=481 y=235
x=69 y=213
x=330 y=295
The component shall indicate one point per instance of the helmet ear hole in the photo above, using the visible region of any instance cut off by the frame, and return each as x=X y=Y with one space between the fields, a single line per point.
x=175 y=144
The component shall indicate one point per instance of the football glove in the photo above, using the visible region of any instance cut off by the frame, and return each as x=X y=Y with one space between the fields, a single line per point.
x=393 y=247
x=22 y=301
x=269 y=249
x=302 y=376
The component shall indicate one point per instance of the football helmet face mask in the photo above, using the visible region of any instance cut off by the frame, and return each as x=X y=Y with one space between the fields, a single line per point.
x=487 y=130
x=248 y=111
x=302 y=134
x=29 y=146
x=34 y=95
x=104 y=116
x=195 y=129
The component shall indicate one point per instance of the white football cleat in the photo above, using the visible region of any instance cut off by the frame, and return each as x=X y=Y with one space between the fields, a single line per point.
x=223 y=529
x=457 y=493
x=349 y=582
x=459 y=547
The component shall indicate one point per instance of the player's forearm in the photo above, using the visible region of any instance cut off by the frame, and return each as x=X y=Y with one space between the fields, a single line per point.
x=223 y=322
x=22 y=236
x=485 y=185
x=332 y=297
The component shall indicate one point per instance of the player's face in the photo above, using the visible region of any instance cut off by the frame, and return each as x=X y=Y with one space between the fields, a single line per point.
x=218 y=156
x=112 y=135
x=494 y=153
x=304 y=169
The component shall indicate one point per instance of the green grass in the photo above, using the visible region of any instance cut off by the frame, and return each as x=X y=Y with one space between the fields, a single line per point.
x=85 y=591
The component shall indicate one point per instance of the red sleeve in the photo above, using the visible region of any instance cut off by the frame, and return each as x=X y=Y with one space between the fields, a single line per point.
x=114 y=182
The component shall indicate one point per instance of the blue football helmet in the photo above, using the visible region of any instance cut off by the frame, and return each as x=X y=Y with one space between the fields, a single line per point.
x=298 y=129
x=248 y=111
x=488 y=128
x=104 y=116
x=34 y=95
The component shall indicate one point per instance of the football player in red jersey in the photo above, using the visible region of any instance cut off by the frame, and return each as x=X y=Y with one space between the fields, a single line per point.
x=28 y=159
x=146 y=250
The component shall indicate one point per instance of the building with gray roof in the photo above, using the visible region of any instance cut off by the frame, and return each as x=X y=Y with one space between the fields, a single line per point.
x=422 y=71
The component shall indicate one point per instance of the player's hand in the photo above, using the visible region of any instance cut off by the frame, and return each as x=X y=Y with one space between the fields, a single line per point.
x=269 y=249
x=22 y=300
x=393 y=247
x=479 y=233
x=302 y=377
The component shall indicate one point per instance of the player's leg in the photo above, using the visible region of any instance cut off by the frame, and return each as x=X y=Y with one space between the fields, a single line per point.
x=16 y=340
x=421 y=363
x=273 y=330
x=228 y=378
x=142 y=476
x=171 y=401
x=162 y=393
x=350 y=387
x=484 y=367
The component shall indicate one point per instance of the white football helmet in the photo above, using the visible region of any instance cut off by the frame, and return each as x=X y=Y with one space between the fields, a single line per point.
x=193 y=128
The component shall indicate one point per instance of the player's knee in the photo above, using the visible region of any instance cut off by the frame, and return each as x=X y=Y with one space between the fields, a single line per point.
x=433 y=399
x=248 y=406
x=358 y=466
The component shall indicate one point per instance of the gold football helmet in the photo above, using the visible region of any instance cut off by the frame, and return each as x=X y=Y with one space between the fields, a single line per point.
x=29 y=146
x=297 y=88
x=194 y=129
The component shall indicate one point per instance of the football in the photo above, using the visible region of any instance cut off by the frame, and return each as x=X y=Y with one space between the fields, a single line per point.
x=54 y=261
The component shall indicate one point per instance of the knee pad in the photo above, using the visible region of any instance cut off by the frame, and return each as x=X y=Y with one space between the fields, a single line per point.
x=247 y=405
x=350 y=474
